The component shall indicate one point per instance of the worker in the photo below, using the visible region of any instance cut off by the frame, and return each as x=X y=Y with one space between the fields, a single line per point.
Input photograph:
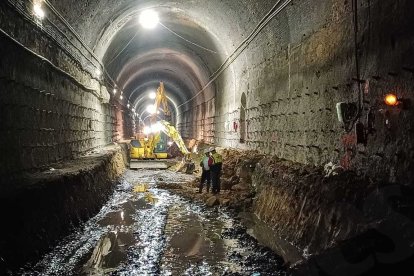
x=215 y=170
x=205 y=175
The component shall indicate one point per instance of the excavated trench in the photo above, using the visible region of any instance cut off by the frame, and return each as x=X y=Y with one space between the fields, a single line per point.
x=107 y=227
x=160 y=233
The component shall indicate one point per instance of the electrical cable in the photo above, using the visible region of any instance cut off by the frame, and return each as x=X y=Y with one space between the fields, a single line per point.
x=249 y=36
x=229 y=60
x=193 y=43
x=23 y=11
x=243 y=45
x=53 y=36
x=65 y=22
x=123 y=49
x=72 y=30
x=358 y=73
x=89 y=89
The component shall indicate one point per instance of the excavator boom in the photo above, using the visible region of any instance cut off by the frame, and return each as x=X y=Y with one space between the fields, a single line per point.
x=175 y=136
x=147 y=154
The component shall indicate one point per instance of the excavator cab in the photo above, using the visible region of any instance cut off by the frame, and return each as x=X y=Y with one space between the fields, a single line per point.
x=136 y=149
x=151 y=147
x=160 y=149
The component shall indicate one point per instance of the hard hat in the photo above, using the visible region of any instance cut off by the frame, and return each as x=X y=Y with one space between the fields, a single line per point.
x=211 y=149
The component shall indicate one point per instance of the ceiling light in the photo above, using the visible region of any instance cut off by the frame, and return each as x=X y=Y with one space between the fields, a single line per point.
x=146 y=130
x=128 y=105
x=151 y=109
x=152 y=95
x=115 y=90
x=38 y=11
x=149 y=19
x=391 y=99
x=121 y=97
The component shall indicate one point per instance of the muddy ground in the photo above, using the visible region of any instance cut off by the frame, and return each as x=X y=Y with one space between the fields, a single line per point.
x=157 y=232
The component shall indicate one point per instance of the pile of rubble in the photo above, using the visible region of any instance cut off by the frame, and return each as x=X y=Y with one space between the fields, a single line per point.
x=236 y=189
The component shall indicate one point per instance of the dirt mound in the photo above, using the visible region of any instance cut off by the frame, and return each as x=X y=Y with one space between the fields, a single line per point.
x=236 y=180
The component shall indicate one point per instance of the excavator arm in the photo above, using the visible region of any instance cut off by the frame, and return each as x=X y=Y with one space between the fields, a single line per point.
x=148 y=144
x=175 y=136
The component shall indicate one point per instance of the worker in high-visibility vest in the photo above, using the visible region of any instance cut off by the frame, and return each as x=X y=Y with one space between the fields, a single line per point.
x=215 y=170
x=205 y=175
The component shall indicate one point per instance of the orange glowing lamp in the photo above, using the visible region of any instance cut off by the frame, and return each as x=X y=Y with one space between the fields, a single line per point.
x=391 y=99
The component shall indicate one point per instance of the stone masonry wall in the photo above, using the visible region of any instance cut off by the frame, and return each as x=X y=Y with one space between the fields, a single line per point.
x=302 y=64
x=198 y=122
x=50 y=109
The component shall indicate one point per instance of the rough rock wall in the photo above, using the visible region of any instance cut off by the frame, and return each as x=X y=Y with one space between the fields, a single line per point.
x=334 y=221
x=125 y=126
x=43 y=207
x=303 y=63
x=340 y=223
x=50 y=108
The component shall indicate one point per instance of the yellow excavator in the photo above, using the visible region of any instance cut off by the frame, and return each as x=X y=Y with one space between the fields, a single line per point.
x=149 y=148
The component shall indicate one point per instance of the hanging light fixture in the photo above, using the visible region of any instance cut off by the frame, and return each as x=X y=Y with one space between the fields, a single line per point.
x=149 y=19
x=152 y=95
x=37 y=10
x=391 y=99
x=151 y=109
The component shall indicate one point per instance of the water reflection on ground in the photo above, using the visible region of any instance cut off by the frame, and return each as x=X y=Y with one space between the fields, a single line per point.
x=131 y=236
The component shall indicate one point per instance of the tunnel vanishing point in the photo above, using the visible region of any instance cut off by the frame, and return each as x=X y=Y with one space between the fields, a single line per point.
x=322 y=90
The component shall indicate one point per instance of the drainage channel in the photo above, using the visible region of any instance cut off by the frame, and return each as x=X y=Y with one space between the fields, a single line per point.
x=132 y=235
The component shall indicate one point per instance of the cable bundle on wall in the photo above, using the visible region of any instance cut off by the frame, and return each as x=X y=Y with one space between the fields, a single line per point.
x=275 y=10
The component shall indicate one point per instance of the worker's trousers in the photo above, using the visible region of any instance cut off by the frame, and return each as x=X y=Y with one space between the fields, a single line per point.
x=215 y=180
x=205 y=176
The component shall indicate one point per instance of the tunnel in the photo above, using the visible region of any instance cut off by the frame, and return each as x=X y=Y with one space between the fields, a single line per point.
x=308 y=103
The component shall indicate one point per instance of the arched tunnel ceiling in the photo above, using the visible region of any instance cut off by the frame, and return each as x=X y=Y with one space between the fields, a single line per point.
x=138 y=58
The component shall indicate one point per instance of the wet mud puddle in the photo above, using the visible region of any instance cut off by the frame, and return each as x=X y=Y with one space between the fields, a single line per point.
x=161 y=235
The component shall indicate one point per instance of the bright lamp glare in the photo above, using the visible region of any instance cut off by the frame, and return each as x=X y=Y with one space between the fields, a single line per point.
x=151 y=109
x=152 y=95
x=157 y=127
x=115 y=90
x=38 y=11
x=147 y=130
x=391 y=99
x=149 y=19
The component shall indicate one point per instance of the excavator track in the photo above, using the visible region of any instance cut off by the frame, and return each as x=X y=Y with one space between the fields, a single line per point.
x=136 y=164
